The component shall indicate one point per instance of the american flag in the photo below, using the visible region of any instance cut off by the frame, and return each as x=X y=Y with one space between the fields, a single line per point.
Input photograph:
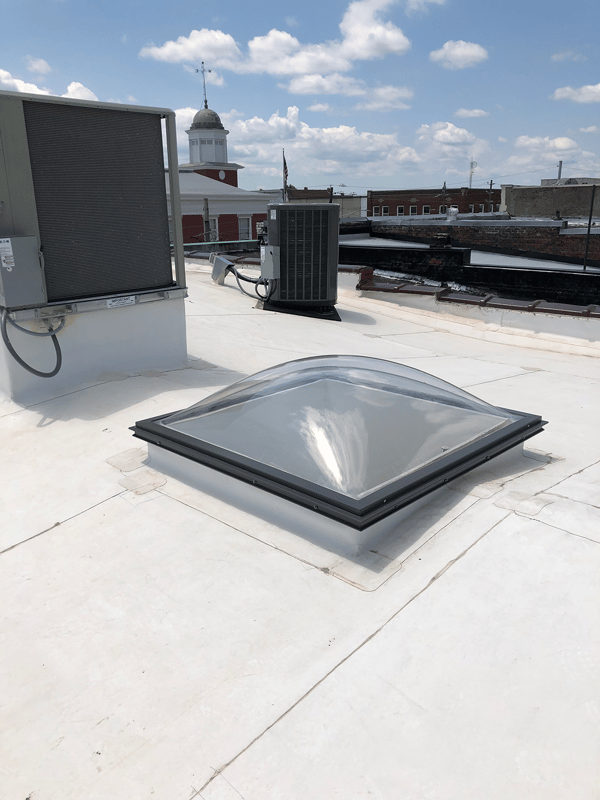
x=285 y=170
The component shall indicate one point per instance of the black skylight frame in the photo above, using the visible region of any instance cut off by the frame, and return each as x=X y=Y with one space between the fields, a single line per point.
x=358 y=514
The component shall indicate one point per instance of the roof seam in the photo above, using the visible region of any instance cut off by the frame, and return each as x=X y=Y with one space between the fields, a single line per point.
x=371 y=636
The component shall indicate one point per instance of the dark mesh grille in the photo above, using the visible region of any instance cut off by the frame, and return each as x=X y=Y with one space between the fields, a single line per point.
x=99 y=183
x=303 y=241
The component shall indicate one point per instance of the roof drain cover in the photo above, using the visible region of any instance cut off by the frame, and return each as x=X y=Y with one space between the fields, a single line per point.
x=352 y=438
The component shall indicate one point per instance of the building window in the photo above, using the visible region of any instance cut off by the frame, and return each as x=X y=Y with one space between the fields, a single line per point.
x=244 y=228
x=400 y=211
x=426 y=210
x=413 y=210
x=206 y=141
x=385 y=211
x=376 y=211
x=471 y=209
x=442 y=209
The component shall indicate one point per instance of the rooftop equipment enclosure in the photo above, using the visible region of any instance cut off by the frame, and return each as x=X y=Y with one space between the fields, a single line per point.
x=305 y=242
x=83 y=204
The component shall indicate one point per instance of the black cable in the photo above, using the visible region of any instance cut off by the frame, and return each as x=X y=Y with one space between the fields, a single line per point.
x=245 y=277
x=241 y=288
x=17 y=357
x=239 y=276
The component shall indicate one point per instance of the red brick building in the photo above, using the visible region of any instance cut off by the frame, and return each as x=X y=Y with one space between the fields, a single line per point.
x=417 y=202
x=232 y=212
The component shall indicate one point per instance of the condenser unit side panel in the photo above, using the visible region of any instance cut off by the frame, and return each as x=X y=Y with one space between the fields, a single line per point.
x=333 y=243
x=18 y=215
x=100 y=192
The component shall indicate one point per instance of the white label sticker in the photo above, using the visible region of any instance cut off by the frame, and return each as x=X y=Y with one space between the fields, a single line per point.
x=7 y=259
x=273 y=213
x=117 y=302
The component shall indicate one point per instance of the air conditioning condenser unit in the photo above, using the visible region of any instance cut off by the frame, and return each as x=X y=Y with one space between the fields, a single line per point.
x=302 y=254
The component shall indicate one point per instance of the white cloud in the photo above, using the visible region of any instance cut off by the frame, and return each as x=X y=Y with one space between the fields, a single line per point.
x=183 y=121
x=380 y=98
x=591 y=129
x=443 y=141
x=568 y=55
x=585 y=94
x=11 y=84
x=535 y=152
x=545 y=143
x=37 y=65
x=276 y=128
x=364 y=36
x=77 y=91
x=386 y=98
x=472 y=112
x=319 y=107
x=216 y=47
x=327 y=84
x=421 y=5
x=459 y=55
x=502 y=139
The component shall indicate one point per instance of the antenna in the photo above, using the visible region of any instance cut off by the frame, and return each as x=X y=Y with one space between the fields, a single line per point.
x=203 y=71
x=472 y=166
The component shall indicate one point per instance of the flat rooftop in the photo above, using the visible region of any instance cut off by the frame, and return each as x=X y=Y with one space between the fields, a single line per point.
x=158 y=642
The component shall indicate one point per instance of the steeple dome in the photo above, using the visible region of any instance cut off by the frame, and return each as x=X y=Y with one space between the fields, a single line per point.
x=206 y=119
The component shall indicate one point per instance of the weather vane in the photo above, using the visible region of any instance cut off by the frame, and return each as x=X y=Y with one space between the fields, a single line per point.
x=203 y=71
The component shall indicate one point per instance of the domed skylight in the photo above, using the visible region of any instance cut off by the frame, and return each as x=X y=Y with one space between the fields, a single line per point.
x=351 y=437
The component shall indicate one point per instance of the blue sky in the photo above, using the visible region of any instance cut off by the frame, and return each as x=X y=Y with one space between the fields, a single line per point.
x=367 y=94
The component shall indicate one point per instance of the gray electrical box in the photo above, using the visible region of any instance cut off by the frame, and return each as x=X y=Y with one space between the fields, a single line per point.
x=21 y=276
x=269 y=261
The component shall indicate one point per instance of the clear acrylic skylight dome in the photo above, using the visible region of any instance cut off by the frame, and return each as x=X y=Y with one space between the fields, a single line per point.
x=350 y=432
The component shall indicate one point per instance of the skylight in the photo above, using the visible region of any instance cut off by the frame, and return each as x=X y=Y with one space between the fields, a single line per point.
x=351 y=437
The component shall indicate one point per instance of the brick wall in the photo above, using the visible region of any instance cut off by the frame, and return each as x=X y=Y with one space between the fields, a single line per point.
x=526 y=240
x=551 y=201
x=467 y=200
x=228 y=227
x=231 y=176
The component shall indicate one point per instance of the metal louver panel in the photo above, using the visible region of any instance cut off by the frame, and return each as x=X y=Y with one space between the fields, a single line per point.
x=303 y=254
x=98 y=176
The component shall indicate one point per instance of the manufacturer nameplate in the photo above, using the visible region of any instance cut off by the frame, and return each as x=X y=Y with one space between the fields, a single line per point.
x=7 y=258
x=118 y=302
